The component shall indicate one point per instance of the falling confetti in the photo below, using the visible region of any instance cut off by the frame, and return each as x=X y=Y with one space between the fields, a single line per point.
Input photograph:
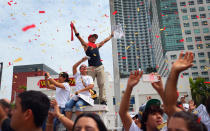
x=28 y=27
x=138 y=9
x=18 y=59
x=114 y=13
x=123 y=58
x=157 y=36
x=182 y=40
x=41 y=12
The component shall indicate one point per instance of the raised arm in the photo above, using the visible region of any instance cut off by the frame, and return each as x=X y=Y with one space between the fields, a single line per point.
x=74 y=68
x=181 y=64
x=79 y=37
x=63 y=119
x=54 y=83
x=49 y=86
x=158 y=86
x=105 y=40
x=124 y=106
x=3 y=115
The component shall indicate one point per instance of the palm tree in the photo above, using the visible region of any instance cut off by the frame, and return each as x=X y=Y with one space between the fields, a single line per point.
x=199 y=90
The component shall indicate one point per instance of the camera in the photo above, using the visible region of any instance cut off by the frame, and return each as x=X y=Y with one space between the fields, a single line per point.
x=45 y=74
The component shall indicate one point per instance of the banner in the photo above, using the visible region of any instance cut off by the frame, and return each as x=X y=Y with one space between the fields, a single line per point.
x=42 y=83
x=88 y=99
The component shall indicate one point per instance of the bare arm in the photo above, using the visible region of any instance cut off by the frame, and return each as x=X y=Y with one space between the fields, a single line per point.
x=79 y=37
x=66 y=122
x=74 y=68
x=49 y=86
x=3 y=115
x=178 y=66
x=85 y=89
x=54 y=83
x=104 y=41
x=124 y=106
x=158 y=86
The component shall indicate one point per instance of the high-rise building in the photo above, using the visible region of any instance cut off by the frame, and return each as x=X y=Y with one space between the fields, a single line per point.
x=134 y=50
x=195 y=19
x=186 y=28
x=166 y=31
x=20 y=74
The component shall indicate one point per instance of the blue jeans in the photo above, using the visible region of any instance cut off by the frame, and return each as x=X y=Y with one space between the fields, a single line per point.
x=56 y=121
x=79 y=104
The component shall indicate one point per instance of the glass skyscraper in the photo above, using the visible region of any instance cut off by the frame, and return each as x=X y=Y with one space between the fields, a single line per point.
x=135 y=49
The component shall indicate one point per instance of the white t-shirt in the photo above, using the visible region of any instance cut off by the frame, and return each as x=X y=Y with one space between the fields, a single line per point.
x=62 y=95
x=134 y=127
x=79 y=85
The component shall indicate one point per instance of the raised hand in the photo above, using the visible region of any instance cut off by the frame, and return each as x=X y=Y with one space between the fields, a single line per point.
x=158 y=86
x=183 y=63
x=134 y=78
x=47 y=75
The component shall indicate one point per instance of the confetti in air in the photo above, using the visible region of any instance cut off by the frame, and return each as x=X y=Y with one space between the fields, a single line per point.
x=18 y=59
x=28 y=27
x=114 y=13
x=41 y=12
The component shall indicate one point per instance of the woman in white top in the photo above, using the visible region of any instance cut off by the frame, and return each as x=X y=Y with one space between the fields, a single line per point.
x=83 y=84
x=62 y=88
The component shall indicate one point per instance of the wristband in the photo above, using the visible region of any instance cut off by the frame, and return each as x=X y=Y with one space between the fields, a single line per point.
x=77 y=34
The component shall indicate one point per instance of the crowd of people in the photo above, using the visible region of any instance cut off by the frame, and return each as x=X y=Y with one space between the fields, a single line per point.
x=34 y=111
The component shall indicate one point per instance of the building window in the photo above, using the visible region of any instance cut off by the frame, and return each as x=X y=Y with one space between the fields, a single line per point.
x=187 y=32
x=208 y=45
x=185 y=17
x=197 y=31
x=195 y=74
x=193 y=16
x=194 y=68
x=204 y=73
x=186 y=24
x=191 y=3
x=173 y=57
x=184 y=10
x=190 y=47
x=207 y=1
x=198 y=38
x=207 y=37
x=205 y=30
x=189 y=39
x=202 y=67
x=194 y=62
x=192 y=10
x=199 y=46
x=202 y=15
x=182 y=4
x=195 y=24
x=201 y=9
x=201 y=54
x=200 y=1
x=208 y=7
x=202 y=61
x=204 y=23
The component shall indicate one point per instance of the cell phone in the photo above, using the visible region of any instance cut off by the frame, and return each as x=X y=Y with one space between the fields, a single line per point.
x=150 y=78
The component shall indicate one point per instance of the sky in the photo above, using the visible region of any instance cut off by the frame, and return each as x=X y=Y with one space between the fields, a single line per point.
x=49 y=42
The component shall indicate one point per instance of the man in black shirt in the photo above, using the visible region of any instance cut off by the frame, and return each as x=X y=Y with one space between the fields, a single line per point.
x=96 y=68
x=29 y=113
